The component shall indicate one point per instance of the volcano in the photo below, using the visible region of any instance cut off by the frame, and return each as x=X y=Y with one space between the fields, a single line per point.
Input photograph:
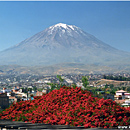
x=62 y=43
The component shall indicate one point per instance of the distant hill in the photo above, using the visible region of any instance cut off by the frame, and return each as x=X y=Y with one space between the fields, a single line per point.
x=59 y=69
x=61 y=44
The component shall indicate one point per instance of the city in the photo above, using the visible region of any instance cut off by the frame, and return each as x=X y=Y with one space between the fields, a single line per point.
x=15 y=88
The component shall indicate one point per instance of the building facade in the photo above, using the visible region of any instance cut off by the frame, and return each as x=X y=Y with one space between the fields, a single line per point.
x=4 y=100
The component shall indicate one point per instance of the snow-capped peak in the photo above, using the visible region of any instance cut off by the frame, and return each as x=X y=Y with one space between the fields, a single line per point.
x=61 y=25
x=65 y=26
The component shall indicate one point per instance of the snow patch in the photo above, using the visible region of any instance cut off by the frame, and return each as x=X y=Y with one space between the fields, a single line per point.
x=63 y=31
x=71 y=27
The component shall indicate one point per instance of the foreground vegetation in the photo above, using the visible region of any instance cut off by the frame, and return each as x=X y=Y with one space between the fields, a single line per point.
x=69 y=106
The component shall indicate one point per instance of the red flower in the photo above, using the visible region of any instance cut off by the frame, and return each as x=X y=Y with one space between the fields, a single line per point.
x=69 y=106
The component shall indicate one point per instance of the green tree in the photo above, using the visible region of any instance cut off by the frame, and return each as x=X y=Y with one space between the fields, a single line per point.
x=106 y=86
x=34 y=88
x=107 y=92
x=60 y=79
x=112 y=92
x=40 y=89
x=94 y=91
x=58 y=86
x=128 y=89
x=74 y=85
x=111 y=86
x=124 y=88
x=29 y=90
x=85 y=82
x=53 y=86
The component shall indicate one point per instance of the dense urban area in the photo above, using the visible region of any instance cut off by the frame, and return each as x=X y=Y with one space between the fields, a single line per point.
x=14 y=88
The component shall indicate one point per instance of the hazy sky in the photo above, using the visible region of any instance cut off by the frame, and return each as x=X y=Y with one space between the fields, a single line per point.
x=109 y=21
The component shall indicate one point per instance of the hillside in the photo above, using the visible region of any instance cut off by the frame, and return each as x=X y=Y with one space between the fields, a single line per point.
x=58 y=69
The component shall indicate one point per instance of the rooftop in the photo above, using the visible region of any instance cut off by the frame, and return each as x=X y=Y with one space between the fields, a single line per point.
x=121 y=91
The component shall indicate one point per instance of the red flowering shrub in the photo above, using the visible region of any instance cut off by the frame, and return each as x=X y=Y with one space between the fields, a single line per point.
x=69 y=106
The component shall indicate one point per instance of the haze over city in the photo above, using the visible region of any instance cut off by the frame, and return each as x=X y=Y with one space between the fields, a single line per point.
x=109 y=21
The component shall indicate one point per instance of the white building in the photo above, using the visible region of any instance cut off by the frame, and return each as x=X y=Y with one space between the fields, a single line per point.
x=69 y=81
x=79 y=84
x=121 y=92
x=120 y=95
x=127 y=95
x=126 y=103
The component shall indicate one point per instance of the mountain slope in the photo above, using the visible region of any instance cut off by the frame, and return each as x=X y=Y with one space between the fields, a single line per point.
x=63 y=43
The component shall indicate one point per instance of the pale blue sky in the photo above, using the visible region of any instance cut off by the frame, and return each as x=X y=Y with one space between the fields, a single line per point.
x=109 y=21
